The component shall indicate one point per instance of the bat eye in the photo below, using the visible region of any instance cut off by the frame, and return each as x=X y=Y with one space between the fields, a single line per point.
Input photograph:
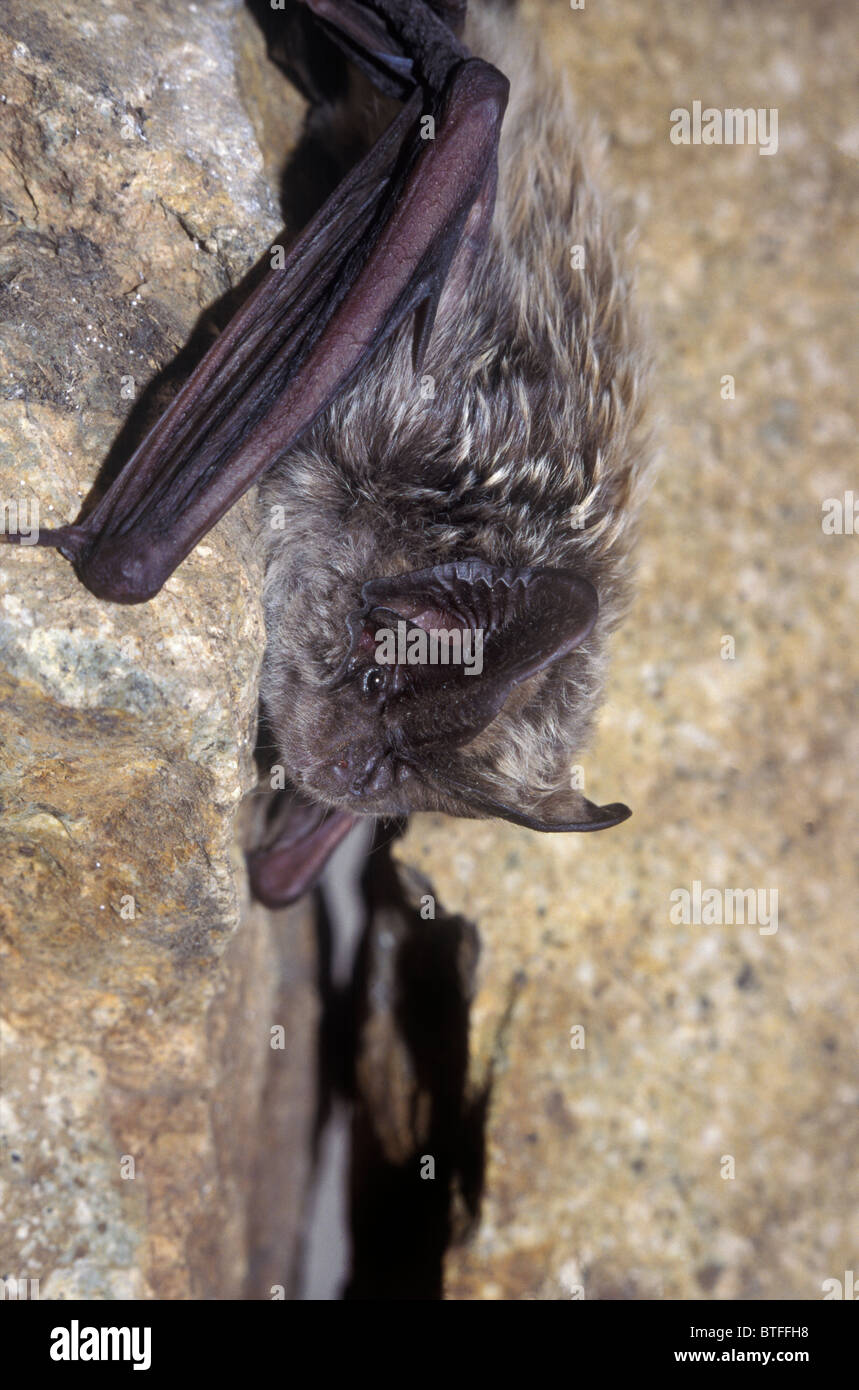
x=372 y=680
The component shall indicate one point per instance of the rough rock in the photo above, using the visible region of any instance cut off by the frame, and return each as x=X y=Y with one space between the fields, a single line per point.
x=136 y=1021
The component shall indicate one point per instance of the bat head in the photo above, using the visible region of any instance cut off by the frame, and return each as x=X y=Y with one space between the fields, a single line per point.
x=409 y=720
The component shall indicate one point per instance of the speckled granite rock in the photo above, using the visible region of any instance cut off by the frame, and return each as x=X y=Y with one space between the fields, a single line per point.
x=605 y=1162
x=133 y=196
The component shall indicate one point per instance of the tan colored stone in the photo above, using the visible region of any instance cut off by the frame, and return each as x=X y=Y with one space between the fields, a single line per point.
x=137 y=1015
x=604 y=1163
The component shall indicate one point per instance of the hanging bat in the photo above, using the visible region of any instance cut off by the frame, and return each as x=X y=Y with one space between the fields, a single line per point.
x=440 y=401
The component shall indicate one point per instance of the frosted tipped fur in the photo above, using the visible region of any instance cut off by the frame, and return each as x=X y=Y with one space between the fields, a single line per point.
x=534 y=426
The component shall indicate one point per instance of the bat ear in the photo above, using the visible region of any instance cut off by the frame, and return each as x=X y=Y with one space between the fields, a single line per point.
x=520 y=621
x=528 y=617
x=561 y=811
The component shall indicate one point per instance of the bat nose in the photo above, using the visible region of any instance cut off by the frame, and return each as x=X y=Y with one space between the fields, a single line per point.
x=361 y=775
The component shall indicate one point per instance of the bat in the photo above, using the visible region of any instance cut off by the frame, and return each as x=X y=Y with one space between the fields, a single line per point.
x=440 y=400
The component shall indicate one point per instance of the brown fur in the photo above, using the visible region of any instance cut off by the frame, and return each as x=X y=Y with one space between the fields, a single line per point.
x=538 y=374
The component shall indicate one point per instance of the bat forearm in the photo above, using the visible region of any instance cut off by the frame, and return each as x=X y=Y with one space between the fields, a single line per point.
x=378 y=250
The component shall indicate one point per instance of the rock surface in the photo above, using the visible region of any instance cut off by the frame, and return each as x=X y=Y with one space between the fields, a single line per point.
x=136 y=1023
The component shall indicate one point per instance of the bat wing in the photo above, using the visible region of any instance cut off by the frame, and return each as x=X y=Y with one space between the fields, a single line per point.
x=291 y=863
x=378 y=250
